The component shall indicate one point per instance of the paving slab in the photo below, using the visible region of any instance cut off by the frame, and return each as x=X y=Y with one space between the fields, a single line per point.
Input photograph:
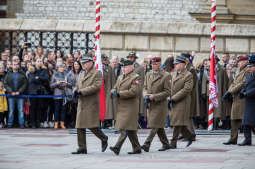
x=49 y=148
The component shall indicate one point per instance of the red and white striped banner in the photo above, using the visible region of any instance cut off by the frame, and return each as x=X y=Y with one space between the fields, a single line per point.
x=98 y=61
x=213 y=91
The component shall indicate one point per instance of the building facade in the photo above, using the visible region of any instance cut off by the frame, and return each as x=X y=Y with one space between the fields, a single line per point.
x=150 y=27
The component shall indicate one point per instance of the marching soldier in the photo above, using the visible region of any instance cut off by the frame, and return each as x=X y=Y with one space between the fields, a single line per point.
x=88 y=114
x=127 y=90
x=193 y=108
x=248 y=92
x=180 y=100
x=238 y=104
x=157 y=88
x=140 y=71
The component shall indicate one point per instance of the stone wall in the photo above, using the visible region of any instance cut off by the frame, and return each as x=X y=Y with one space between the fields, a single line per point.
x=13 y=7
x=113 y=10
x=161 y=39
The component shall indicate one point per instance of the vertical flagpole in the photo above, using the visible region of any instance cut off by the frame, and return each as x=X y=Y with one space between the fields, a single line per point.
x=97 y=32
x=212 y=84
x=98 y=64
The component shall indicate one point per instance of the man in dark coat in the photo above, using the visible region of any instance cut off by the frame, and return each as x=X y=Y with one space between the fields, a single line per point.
x=248 y=92
x=15 y=83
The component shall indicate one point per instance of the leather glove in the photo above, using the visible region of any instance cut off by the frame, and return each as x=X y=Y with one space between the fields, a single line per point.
x=169 y=104
x=115 y=94
x=77 y=94
x=171 y=100
x=227 y=96
x=203 y=96
x=242 y=94
x=147 y=98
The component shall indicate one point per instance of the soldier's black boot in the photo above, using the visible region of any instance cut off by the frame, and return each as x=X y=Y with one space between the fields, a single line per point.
x=164 y=148
x=245 y=142
x=115 y=150
x=80 y=151
x=189 y=143
x=104 y=144
x=135 y=152
x=247 y=137
x=229 y=142
x=145 y=148
x=172 y=146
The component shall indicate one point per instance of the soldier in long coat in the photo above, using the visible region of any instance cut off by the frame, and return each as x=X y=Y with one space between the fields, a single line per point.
x=108 y=85
x=116 y=71
x=228 y=104
x=180 y=100
x=222 y=83
x=140 y=71
x=238 y=104
x=248 y=92
x=193 y=108
x=157 y=89
x=88 y=113
x=127 y=90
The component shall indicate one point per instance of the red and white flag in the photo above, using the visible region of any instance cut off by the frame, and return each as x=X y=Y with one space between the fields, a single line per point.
x=98 y=62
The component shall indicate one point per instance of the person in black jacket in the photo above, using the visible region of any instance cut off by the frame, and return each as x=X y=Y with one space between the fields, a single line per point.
x=37 y=77
x=15 y=83
x=248 y=92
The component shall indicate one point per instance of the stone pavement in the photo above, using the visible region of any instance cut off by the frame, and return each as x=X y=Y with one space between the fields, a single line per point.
x=50 y=149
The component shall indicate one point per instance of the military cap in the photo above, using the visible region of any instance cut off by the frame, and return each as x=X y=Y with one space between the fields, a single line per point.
x=251 y=61
x=180 y=59
x=217 y=58
x=186 y=55
x=104 y=56
x=155 y=59
x=242 y=57
x=126 y=62
x=86 y=59
x=132 y=54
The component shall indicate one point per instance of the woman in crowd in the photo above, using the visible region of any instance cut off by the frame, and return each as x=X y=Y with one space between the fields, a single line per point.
x=59 y=83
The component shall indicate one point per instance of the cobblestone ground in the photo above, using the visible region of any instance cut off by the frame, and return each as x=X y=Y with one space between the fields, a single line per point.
x=50 y=149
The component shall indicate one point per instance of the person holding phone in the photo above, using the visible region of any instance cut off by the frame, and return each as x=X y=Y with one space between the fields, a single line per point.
x=59 y=84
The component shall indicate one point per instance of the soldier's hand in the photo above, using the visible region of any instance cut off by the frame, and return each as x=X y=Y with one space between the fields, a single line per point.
x=147 y=98
x=242 y=94
x=227 y=96
x=169 y=104
x=203 y=96
x=171 y=100
x=76 y=94
x=115 y=94
x=151 y=97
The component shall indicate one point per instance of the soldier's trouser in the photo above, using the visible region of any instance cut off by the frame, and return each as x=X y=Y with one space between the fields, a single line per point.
x=161 y=134
x=132 y=135
x=191 y=126
x=235 y=125
x=184 y=131
x=81 y=136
